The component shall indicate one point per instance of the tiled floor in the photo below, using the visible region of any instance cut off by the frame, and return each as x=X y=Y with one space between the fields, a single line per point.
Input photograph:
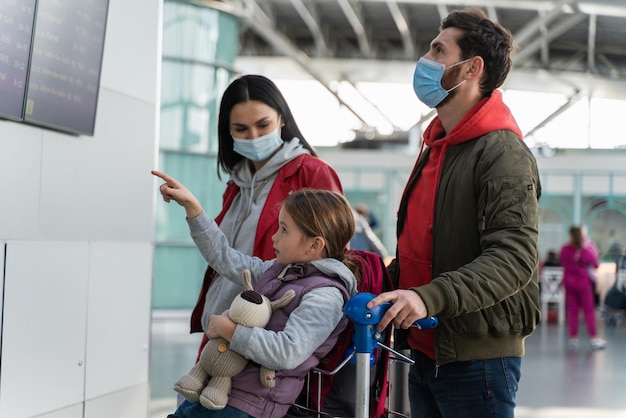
x=556 y=382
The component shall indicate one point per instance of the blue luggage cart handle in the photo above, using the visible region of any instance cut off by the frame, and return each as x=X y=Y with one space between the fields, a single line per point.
x=366 y=338
x=365 y=320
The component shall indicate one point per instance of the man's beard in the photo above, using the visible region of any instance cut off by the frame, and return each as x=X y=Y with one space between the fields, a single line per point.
x=450 y=79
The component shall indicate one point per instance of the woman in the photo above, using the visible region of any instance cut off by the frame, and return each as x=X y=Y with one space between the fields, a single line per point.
x=577 y=257
x=266 y=156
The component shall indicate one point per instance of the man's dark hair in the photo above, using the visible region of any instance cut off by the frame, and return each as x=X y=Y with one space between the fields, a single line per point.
x=482 y=37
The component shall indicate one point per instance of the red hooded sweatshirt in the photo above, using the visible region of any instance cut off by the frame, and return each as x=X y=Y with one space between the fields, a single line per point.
x=416 y=240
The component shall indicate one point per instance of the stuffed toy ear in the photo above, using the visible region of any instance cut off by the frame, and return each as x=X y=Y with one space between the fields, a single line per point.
x=247 y=279
x=284 y=300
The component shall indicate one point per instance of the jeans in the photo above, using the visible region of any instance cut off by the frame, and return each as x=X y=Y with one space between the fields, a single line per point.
x=196 y=410
x=467 y=389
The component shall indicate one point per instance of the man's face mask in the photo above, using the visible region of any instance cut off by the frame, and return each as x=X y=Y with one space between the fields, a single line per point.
x=427 y=81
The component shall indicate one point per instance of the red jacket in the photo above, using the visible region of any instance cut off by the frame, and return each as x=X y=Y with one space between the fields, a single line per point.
x=301 y=172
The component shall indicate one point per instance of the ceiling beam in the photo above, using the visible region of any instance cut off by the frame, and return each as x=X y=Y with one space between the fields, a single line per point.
x=545 y=50
x=371 y=103
x=254 y=17
x=614 y=70
x=591 y=43
x=541 y=37
x=571 y=101
x=554 y=32
x=529 y=31
x=402 y=24
x=442 y=9
x=491 y=12
x=310 y=20
x=356 y=22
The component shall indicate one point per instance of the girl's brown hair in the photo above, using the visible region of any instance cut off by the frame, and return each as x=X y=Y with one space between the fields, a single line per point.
x=326 y=214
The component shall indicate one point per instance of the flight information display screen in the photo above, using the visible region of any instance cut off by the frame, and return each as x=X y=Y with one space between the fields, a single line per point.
x=16 y=23
x=64 y=77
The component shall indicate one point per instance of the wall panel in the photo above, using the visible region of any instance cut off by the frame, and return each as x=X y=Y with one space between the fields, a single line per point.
x=119 y=310
x=44 y=327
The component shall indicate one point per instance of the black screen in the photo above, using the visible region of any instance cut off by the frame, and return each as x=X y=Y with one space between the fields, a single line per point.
x=16 y=24
x=64 y=78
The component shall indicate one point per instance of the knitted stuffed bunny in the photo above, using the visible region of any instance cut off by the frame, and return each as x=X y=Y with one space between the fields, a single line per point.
x=218 y=362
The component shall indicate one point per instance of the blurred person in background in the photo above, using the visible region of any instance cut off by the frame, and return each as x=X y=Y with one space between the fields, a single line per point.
x=552 y=260
x=365 y=238
x=579 y=258
x=365 y=211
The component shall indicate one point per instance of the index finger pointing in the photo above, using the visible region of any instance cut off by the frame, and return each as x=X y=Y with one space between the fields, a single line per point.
x=169 y=180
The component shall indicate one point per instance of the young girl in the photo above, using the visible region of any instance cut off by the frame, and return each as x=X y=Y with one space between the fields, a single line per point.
x=314 y=228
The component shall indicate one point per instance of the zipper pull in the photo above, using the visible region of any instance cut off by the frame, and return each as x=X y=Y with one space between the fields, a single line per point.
x=483 y=223
x=436 y=370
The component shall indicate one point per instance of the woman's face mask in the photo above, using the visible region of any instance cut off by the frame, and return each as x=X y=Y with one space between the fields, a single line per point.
x=427 y=81
x=260 y=148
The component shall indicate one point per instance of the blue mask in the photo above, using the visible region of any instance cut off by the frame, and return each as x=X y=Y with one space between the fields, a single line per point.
x=427 y=81
x=258 y=149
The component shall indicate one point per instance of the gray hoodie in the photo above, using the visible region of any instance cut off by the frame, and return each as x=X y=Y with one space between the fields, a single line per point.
x=240 y=221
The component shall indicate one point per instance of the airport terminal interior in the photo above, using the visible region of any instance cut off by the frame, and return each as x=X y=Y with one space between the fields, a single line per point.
x=92 y=218
x=349 y=64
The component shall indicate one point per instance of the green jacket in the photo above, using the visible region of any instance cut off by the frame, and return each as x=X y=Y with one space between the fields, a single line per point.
x=484 y=286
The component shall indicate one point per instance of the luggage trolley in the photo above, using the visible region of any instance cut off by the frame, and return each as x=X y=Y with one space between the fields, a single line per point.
x=366 y=340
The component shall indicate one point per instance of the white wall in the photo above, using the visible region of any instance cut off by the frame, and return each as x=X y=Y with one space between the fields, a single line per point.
x=76 y=222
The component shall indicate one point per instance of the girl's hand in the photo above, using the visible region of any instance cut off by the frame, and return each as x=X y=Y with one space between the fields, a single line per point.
x=172 y=189
x=221 y=326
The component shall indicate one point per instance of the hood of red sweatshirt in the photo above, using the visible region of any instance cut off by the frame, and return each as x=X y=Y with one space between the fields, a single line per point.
x=488 y=115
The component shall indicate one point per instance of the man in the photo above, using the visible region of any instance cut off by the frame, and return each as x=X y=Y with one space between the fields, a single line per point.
x=467 y=231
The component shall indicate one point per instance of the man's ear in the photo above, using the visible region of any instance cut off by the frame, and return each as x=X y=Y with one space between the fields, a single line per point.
x=476 y=67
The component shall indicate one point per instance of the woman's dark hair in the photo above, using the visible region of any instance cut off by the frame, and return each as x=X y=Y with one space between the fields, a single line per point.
x=244 y=89
x=484 y=38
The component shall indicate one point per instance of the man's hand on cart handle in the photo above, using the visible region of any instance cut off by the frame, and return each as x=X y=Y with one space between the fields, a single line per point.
x=406 y=308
